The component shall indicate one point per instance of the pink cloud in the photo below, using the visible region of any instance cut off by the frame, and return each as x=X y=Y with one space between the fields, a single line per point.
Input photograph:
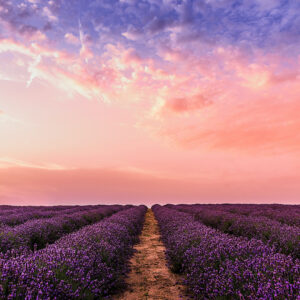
x=49 y=15
x=72 y=39
x=267 y=123
x=6 y=162
x=7 y=45
x=91 y=186
x=131 y=56
x=186 y=104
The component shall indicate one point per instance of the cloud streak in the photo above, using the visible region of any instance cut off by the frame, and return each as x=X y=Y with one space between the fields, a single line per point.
x=53 y=187
x=6 y=162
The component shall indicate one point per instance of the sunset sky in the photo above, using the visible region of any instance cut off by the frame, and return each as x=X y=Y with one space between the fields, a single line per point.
x=149 y=101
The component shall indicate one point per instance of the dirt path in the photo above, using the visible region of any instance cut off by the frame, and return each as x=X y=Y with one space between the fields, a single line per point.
x=149 y=277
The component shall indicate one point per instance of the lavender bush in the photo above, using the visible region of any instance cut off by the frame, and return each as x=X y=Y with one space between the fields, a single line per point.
x=284 y=238
x=20 y=215
x=87 y=264
x=37 y=233
x=222 y=266
x=287 y=214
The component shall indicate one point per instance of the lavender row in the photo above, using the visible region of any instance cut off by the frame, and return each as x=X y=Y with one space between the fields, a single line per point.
x=19 y=216
x=287 y=214
x=221 y=266
x=9 y=209
x=36 y=234
x=284 y=238
x=88 y=264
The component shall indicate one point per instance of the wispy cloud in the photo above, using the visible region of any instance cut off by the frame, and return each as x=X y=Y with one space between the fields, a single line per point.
x=5 y=77
x=85 y=52
x=93 y=186
x=72 y=39
x=6 y=162
x=49 y=15
x=6 y=118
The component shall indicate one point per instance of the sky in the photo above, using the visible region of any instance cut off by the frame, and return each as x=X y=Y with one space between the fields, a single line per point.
x=149 y=101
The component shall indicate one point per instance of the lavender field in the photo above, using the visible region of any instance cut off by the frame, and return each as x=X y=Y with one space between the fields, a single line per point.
x=217 y=251
x=165 y=135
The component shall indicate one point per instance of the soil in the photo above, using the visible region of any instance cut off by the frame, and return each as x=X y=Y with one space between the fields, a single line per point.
x=150 y=277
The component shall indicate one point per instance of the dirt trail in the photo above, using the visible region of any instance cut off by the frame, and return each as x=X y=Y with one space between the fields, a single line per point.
x=149 y=277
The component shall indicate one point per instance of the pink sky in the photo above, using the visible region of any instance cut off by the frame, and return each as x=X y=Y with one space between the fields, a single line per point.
x=102 y=119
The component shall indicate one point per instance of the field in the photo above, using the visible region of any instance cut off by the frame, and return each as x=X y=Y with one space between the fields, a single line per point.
x=222 y=251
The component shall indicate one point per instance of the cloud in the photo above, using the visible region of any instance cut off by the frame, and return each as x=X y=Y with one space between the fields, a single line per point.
x=6 y=118
x=159 y=24
x=264 y=124
x=32 y=70
x=7 y=45
x=35 y=186
x=72 y=39
x=76 y=75
x=188 y=104
x=5 y=77
x=57 y=70
x=85 y=52
x=49 y=15
x=132 y=34
x=6 y=162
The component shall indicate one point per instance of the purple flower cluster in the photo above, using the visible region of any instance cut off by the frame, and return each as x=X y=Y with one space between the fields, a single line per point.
x=222 y=266
x=287 y=214
x=37 y=233
x=283 y=237
x=19 y=215
x=5 y=209
x=87 y=264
